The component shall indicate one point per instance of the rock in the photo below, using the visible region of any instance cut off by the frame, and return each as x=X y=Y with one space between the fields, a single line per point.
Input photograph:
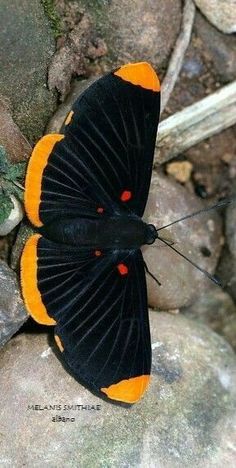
x=26 y=46
x=14 y=142
x=230 y=227
x=100 y=36
x=226 y=271
x=185 y=418
x=139 y=29
x=211 y=176
x=216 y=309
x=198 y=238
x=180 y=170
x=227 y=266
x=221 y=13
x=13 y=219
x=221 y=48
x=77 y=88
x=12 y=311
x=70 y=57
x=193 y=66
x=25 y=231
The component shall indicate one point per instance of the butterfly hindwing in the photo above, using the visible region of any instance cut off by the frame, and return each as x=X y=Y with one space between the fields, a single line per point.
x=98 y=302
x=104 y=158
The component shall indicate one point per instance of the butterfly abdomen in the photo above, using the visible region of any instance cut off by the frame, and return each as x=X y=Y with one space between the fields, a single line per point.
x=121 y=232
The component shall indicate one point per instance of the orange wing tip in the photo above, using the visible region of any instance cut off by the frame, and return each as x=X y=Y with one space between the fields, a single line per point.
x=30 y=292
x=128 y=391
x=69 y=117
x=33 y=181
x=59 y=343
x=141 y=74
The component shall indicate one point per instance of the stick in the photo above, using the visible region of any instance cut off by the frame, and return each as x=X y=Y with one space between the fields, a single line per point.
x=177 y=57
x=195 y=123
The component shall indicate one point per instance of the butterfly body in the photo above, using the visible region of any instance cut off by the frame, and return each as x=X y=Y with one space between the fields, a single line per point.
x=117 y=232
x=83 y=272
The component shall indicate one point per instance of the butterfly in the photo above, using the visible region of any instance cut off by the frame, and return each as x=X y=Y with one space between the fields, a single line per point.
x=83 y=271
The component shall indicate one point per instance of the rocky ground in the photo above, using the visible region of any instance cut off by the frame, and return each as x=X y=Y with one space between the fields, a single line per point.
x=50 y=51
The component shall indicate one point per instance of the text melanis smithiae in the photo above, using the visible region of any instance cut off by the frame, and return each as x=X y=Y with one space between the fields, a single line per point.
x=83 y=272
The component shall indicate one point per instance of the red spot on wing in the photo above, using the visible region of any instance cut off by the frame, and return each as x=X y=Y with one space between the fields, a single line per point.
x=100 y=209
x=97 y=253
x=123 y=269
x=126 y=195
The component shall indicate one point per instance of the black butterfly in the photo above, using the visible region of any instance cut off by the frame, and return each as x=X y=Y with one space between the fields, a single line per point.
x=86 y=191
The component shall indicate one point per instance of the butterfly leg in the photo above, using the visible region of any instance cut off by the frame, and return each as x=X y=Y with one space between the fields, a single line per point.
x=151 y=274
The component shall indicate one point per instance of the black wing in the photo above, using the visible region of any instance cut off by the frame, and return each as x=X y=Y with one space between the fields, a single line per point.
x=103 y=161
x=98 y=302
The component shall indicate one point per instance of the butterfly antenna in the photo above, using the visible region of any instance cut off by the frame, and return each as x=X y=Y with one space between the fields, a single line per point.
x=211 y=277
x=204 y=210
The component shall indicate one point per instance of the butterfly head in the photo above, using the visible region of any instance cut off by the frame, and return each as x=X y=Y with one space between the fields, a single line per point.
x=152 y=234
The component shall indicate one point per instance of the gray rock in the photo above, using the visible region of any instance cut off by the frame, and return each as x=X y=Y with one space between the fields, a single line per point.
x=26 y=46
x=136 y=30
x=13 y=219
x=230 y=225
x=140 y=29
x=12 y=310
x=221 y=13
x=221 y=48
x=15 y=144
x=185 y=419
x=226 y=270
x=216 y=309
x=198 y=238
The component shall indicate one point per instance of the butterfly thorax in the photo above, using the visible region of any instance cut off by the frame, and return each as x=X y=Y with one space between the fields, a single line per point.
x=121 y=232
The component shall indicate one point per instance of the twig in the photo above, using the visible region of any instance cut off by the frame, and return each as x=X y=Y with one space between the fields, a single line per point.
x=177 y=56
x=195 y=123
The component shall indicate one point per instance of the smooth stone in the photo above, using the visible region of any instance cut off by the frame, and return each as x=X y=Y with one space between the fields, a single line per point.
x=139 y=29
x=198 y=238
x=221 y=48
x=26 y=46
x=12 y=310
x=180 y=170
x=226 y=271
x=221 y=13
x=230 y=227
x=186 y=417
x=13 y=219
x=216 y=309
x=14 y=142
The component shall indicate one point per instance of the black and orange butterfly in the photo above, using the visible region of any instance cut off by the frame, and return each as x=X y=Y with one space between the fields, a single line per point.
x=86 y=190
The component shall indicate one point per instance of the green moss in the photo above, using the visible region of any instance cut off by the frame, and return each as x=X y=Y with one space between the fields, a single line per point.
x=6 y=207
x=53 y=16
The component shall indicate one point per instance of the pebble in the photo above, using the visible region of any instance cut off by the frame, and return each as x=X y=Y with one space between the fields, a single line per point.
x=185 y=418
x=13 y=219
x=15 y=144
x=12 y=311
x=222 y=14
x=216 y=309
x=180 y=170
x=198 y=238
x=221 y=48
